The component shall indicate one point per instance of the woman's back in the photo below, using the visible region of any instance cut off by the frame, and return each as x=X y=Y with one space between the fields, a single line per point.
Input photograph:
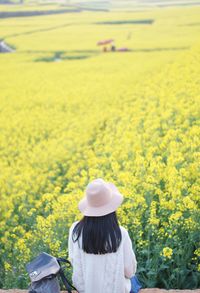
x=102 y=273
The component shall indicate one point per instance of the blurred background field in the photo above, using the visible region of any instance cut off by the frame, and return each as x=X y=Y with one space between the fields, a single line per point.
x=71 y=113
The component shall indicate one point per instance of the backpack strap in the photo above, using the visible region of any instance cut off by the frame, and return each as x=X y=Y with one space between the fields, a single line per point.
x=61 y=259
x=67 y=284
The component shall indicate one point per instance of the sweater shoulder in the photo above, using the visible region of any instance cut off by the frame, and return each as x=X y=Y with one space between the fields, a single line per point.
x=124 y=231
x=72 y=226
x=74 y=223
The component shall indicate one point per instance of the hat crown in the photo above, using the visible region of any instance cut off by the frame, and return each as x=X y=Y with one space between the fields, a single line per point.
x=98 y=193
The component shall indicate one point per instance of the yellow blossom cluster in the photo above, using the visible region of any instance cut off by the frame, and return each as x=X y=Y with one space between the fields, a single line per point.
x=167 y=252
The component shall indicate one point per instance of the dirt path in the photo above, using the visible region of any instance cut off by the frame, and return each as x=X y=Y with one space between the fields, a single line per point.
x=154 y=290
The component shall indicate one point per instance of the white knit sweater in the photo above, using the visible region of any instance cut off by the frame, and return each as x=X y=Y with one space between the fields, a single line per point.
x=102 y=273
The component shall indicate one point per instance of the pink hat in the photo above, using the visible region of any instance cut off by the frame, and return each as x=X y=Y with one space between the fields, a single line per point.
x=101 y=198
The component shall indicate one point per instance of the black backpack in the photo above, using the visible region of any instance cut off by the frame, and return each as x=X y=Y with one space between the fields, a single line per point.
x=44 y=271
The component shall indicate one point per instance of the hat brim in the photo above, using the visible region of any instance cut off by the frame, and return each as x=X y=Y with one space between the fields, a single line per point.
x=114 y=203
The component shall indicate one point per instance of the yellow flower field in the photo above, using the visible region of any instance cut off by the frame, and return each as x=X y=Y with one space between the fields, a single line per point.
x=129 y=117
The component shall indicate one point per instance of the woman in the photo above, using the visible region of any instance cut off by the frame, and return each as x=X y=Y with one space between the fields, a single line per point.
x=100 y=250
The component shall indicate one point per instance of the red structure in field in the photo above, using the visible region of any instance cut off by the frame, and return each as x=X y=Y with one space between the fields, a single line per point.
x=109 y=45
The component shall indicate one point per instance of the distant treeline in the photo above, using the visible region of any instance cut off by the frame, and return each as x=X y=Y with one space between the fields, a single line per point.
x=6 y=14
x=138 y=21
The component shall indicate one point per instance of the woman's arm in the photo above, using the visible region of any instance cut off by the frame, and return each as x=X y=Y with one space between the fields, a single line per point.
x=130 y=262
x=70 y=244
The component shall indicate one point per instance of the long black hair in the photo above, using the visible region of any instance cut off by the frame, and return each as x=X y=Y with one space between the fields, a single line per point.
x=97 y=232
